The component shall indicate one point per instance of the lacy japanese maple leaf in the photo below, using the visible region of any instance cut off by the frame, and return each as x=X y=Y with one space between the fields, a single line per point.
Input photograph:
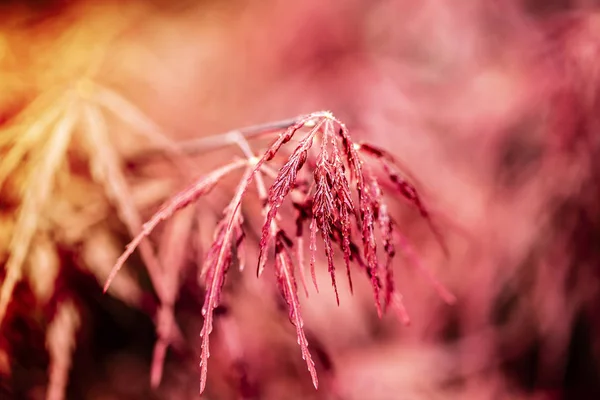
x=332 y=188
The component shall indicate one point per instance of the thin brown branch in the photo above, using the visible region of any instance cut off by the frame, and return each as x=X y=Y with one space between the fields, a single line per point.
x=206 y=144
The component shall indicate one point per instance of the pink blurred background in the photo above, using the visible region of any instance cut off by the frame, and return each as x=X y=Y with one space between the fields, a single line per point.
x=493 y=106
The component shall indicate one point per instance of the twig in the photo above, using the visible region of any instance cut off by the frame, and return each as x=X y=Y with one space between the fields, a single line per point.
x=214 y=142
x=221 y=140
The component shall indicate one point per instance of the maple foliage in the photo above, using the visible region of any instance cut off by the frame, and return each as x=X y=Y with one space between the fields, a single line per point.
x=78 y=115
x=495 y=105
x=339 y=173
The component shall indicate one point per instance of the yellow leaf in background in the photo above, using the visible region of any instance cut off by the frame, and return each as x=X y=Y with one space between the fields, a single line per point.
x=37 y=193
x=99 y=251
x=60 y=342
x=42 y=267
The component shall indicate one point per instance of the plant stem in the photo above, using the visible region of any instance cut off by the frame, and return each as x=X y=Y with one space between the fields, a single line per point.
x=220 y=140
x=213 y=142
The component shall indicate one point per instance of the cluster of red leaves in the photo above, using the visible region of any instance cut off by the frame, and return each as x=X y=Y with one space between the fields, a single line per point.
x=332 y=189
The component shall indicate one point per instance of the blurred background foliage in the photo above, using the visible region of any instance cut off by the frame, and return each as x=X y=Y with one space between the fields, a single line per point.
x=493 y=106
